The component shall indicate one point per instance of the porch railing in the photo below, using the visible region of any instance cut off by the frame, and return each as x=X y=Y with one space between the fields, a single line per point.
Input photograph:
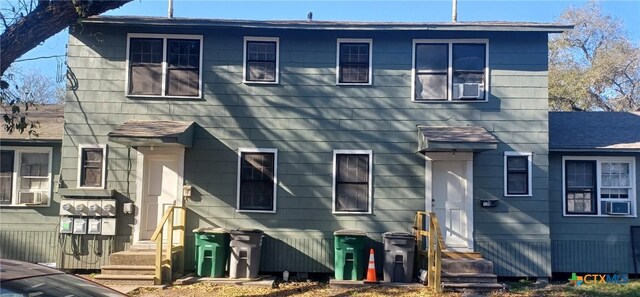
x=173 y=221
x=430 y=252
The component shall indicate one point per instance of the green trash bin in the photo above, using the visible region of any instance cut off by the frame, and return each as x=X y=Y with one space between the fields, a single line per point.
x=211 y=251
x=349 y=254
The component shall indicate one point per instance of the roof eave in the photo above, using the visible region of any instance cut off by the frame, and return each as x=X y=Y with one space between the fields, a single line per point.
x=319 y=25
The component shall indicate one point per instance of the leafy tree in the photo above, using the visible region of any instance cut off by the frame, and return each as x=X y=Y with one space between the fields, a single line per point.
x=27 y=23
x=594 y=66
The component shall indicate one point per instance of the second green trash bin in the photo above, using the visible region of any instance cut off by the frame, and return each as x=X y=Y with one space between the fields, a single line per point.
x=212 y=245
x=349 y=254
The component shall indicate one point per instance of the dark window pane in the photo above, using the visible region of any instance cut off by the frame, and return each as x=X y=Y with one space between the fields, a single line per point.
x=261 y=61
x=354 y=63
x=6 y=176
x=256 y=181
x=145 y=62
x=580 y=187
x=432 y=57
x=34 y=164
x=183 y=67
x=431 y=86
x=517 y=163
x=517 y=183
x=91 y=171
x=352 y=182
x=468 y=57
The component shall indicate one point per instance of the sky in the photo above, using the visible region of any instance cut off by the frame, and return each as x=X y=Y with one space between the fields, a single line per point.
x=397 y=11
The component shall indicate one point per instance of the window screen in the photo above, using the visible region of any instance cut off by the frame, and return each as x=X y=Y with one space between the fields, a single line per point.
x=183 y=67
x=145 y=60
x=468 y=63
x=354 y=63
x=431 y=71
x=517 y=175
x=580 y=187
x=257 y=181
x=91 y=171
x=261 y=61
x=6 y=176
x=352 y=182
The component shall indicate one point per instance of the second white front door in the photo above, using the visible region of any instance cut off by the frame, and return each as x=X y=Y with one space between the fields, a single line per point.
x=161 y=184
x=449 y=190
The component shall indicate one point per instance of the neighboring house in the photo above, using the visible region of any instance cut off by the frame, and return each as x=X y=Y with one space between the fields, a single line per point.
x=593 y=190
x=29 y=170
x=304 y=128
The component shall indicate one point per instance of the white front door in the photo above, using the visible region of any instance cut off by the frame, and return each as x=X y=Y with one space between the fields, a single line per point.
x=161 y=186
x=449 y=193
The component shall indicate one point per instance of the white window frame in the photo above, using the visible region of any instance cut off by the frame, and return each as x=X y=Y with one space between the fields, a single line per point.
x=164 y=38
x=354 y=40
x=15 y=174
x=599 y=160
x=335 y=176
x=275 y=178
x=103 y=182
x=450 y=43
x=529 y=156
x=247 y=39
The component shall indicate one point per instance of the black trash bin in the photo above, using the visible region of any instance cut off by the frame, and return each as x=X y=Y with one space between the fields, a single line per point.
x=246 y=246
x=399 y=248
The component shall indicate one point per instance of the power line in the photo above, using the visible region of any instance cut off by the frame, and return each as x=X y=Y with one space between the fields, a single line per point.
x=38 y=58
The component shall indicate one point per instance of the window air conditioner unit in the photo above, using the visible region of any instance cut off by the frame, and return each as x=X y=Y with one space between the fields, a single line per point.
x=618 y=208
x=31 y=198
x=469 y=91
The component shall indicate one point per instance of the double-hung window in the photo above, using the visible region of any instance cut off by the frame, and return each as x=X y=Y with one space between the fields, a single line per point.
x=25 y=176
x=352 y=184
x=354 y=61
x=599 y=186
x=257 y=180
x=261 y=59
x=517 y=173
x=92 y=163
x=450 y=70
x=164 y=65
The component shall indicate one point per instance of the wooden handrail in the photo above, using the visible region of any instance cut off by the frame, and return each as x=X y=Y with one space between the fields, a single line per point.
x=434 y=247
x=165 y=264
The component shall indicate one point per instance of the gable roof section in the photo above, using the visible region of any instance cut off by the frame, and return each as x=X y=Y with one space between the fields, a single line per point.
x=51 y=124
x=594 y=131
x=331 y=25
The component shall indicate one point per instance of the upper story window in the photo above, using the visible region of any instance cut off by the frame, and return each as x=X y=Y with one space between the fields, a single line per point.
x=354 y=61
x=164 y=65
x=261 y=59
x=599 y=186
x=92 y=165
x=517 y=174
x=257 y=180
x=352 y=186
x=450 y=70
x=25 y=176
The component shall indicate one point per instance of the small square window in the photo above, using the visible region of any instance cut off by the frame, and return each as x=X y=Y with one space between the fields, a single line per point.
x=354 y=61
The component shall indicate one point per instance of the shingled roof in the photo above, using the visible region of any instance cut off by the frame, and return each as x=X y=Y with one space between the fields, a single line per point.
x=594 y=131
x=50 y=129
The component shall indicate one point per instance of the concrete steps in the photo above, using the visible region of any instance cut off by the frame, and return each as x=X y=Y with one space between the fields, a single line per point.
x=125 y=279
x=468 y=272
x=128 y=269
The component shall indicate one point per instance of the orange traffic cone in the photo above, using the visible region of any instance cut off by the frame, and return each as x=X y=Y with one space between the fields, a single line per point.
x=371 y=270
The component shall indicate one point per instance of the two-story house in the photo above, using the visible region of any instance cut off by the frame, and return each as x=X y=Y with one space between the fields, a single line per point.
x=302 y=128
